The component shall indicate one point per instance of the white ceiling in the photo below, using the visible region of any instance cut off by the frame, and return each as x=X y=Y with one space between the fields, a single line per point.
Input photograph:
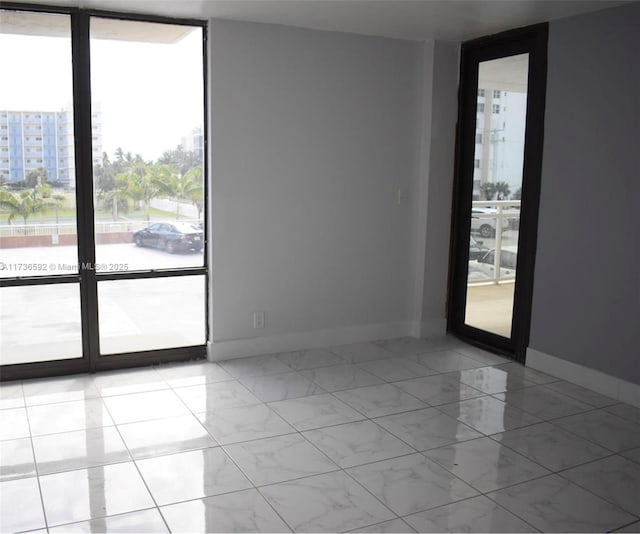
x=449 y=20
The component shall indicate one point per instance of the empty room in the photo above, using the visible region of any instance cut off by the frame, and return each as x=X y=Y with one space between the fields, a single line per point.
x=319 y=266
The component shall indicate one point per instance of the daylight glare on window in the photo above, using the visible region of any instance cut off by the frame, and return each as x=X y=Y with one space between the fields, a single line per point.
x=148 y=144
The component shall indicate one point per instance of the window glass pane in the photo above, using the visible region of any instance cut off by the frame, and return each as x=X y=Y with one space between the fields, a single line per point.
x=497 y=189
x=39 y=323
x=148 y=94
x=37 y=168
x=151 y=313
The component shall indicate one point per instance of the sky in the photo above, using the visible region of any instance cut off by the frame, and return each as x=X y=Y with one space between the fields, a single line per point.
x=150 y=94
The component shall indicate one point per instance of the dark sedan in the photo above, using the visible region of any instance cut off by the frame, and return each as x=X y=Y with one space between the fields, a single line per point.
x=172 y=237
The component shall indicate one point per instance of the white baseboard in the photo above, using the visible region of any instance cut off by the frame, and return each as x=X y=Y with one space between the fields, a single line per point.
x=240 y=348
x=600 y=382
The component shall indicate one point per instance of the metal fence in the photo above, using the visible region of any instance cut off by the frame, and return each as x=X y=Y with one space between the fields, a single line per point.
x=491 y=219
x=102 y=227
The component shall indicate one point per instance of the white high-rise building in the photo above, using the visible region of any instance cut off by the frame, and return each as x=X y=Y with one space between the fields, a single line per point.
x=500 y=127
x=193 y=141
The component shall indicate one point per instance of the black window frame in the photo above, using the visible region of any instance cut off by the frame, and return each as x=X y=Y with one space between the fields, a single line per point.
x=87 y=278
x=531 y=40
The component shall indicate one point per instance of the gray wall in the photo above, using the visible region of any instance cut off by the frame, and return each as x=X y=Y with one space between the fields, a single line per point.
x=440 y=164
x=586 y=306
x=313 y=133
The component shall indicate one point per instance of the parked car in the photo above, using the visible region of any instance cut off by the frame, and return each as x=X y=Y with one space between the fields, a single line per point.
x=485 y=226
x=484 y=268
x=476 y=248
x=172 y=237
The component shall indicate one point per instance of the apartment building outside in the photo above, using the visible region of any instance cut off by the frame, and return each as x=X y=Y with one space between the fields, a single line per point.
x=193 y=141
x=500 y=127
x=34 y=139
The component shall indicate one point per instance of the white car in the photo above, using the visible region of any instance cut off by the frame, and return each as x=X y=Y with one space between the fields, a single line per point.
x=484 y=268
x=485 y=226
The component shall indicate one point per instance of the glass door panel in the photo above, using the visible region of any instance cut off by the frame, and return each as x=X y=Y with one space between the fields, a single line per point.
x=501 y=111
x=147 y=83
x=37 y=168
x=151 y=313
x=148 y=152
x=40 y=323
x=497 y=188
x=40 y=310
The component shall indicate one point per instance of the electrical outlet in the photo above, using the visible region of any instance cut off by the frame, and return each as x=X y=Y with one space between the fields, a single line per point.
x=258 y=319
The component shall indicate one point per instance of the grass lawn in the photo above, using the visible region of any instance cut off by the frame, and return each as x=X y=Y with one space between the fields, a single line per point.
x=66 y=216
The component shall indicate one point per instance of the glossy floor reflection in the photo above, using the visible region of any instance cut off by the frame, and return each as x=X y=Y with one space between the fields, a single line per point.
x=399 y=435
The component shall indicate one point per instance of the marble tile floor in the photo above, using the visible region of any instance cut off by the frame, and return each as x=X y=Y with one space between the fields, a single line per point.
x=400 y=435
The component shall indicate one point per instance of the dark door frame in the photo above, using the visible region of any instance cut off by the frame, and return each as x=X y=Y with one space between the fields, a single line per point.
x=531 y=40
x=87 y=277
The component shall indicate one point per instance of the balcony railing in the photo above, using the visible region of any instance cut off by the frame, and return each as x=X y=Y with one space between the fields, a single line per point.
x=493 y=218
x=101 y=227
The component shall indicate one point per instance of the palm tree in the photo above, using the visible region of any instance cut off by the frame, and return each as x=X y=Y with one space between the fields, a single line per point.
x=44 y=192
x=104 y=175
x=518 y=194
x=25 y=204
x=143 y=183
x=488 y=189
x=55 y=201
x=503 y=190
x=37 y=177
x=58 y=201
x=117 y=195
x=182 y=160
x=7 y=199
x=195 y=192
x=187 y=187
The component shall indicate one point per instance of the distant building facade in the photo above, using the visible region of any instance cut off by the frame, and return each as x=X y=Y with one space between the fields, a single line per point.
x=193 y=142
x=500 y=127
x=30 y=140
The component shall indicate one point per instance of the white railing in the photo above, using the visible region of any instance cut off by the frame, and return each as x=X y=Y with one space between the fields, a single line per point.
x=101 y=227
x=11 y=230
x=500 y=216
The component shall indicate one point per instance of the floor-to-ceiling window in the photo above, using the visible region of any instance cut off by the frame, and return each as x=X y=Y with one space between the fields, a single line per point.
x=103 y=257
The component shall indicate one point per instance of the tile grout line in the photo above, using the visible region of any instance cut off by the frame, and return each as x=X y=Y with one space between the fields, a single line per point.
x=548 y=475
x=427 y=406
x=35 y=464
x=491 y=436
x=299 y=433
x=625 y=526
x=153 y=499
x=575 y=397
x=15 y=383
x=98 y=518
x=193 y=414
x=480 y=494
x=228 y=455
x=512 y=513
x=335 y=425
x=369 y=463
x=550 y=471
x=306 y=440
x=617 y=505
x=554 y=423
